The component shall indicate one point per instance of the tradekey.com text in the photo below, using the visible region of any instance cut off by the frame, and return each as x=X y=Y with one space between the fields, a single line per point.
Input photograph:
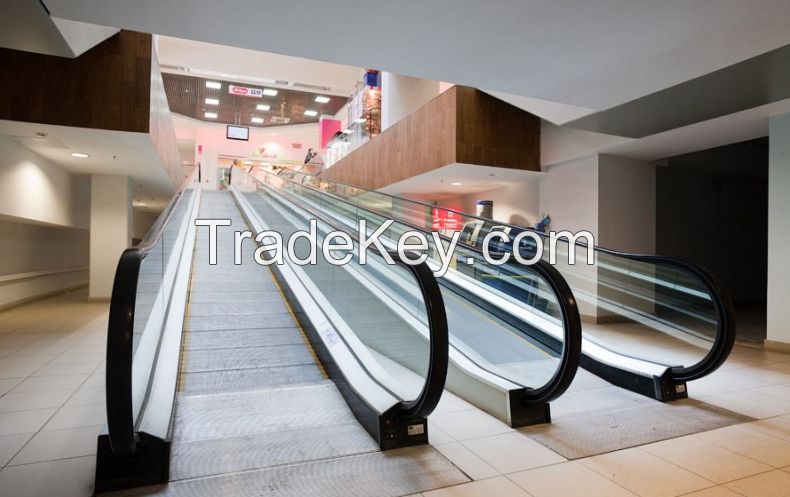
x=413 y=247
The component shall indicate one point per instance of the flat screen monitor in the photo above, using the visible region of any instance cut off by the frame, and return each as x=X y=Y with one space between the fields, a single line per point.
x=238 y=133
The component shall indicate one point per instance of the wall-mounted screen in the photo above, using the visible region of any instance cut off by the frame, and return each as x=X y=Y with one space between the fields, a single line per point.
x=238 y=133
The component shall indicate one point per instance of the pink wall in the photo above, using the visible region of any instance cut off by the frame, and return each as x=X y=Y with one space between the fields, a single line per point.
x=328 y=129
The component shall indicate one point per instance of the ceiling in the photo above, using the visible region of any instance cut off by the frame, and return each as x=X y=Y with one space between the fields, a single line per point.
x=187 y=96
x=588 y=54
x=111 y=152
x=210 y=60
x=438 y=183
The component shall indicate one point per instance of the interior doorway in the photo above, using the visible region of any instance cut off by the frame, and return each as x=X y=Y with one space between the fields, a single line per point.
x=712 y=209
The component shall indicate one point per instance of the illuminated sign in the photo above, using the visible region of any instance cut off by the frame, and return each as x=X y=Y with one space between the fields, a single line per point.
x=245 y=91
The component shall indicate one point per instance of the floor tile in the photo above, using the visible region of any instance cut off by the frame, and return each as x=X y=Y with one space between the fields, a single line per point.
x=15 y=422
x=768 y=450
x=778 y=427
x=467 y=461
x=87 y=395
x=68 y=368
x=33 y=400
x=7 y=384
x=64 y=478
x=645 y=474
x=705 y=459
x=462 y=425
x=58 y=444
x=78 y=416
x=772 y=484
x=10 y=445
x=47 y=383
x=751 y=403
x=493 y=487
x=512 y=452
x=719 y=491
x=450 y=403
x=438 y=436
x=570 y=479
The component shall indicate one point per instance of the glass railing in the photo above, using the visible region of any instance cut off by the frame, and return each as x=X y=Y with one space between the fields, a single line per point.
x=144 y=282
x=542 y=362
x=385 y=314
x=650 y=310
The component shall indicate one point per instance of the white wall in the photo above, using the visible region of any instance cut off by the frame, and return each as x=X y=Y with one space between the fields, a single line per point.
x=141 y=223
x=569 y=195
x=626 y=204
x=402 y=95
x=779 y=230
x=111 y=230
x=40 y=260
x=33 y=188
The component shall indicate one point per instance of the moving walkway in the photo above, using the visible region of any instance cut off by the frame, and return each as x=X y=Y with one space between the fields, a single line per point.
x=650 y=324
x=216 y=381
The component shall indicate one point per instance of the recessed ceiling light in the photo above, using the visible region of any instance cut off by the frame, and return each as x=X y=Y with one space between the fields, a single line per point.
x=257 y=120
x=361 y=120
x=212 y=101
x=214 y=85
x=322 y=100
x=137 y=203
x=310 y=113
x=269 y=92
x=262 y=107
x=455 y=183
x=210 y=115
x=80 y=155
x=348 y=131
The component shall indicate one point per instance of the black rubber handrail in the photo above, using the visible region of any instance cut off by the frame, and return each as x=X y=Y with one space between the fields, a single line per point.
x=439 y=339
x=725 y=328
x=120 y=332
x=570 y=356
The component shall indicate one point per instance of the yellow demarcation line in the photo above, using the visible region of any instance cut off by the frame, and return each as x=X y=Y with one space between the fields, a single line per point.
x=182 y=361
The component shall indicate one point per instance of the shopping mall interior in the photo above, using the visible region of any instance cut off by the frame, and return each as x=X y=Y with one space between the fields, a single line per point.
x=155 y=156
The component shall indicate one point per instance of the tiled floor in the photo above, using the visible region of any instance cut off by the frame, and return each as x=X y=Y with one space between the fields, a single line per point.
x=52 y=409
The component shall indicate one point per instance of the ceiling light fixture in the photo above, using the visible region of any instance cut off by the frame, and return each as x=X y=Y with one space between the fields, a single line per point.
x=456 y=183
x=361 y=120
x=210 y=115
x=212 y=101
x=214 y=85
x=80 y=155
x=322 y=100
x=257 y=120
x=269 y=92
x=311 y=113
x=348 y=131
x=137 y=203
x=263 y=107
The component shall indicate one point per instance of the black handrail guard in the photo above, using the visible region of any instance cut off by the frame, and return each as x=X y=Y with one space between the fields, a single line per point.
x=438 y=357
x=725 y=330
x=120 y=330
x=571 y=320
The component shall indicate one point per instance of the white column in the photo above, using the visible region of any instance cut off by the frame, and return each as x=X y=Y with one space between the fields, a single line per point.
x=111 y=230
x=778 y=324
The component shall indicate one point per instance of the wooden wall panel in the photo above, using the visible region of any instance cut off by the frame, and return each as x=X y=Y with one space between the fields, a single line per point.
x=107 y=87
x=491 y=132
x=460 y=125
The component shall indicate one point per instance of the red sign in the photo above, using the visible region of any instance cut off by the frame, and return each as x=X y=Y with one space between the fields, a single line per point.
x=445 y=220
x=245 y=91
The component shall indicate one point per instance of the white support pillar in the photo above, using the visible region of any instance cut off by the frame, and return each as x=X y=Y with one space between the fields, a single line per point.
x=111 y=230
x=778 y=324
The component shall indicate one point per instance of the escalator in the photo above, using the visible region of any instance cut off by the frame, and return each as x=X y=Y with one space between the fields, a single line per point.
x=650 y=324
x=492 y=364
x=227 y=376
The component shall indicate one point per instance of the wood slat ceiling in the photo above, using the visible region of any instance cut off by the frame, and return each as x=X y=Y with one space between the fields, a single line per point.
x=187 y=96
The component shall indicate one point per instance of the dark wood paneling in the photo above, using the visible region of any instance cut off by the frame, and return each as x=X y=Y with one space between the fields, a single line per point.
x=491 y=132
x=460 y=125
x=107 y=87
